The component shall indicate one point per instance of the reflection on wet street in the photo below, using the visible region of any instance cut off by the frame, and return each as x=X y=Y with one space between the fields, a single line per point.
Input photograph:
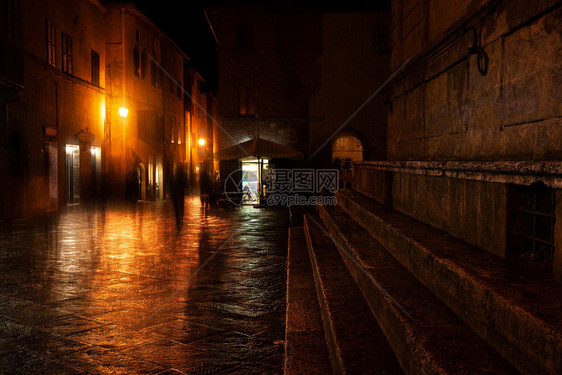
x=123 y=292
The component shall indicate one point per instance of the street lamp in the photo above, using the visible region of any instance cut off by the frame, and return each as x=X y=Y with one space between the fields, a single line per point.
x=201 y=141
x=123 y=111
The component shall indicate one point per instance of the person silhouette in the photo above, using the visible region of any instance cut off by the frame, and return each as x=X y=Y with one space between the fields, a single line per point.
x=204 y=189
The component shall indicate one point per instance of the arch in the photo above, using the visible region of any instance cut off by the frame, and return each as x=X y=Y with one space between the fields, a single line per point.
x=347 y=146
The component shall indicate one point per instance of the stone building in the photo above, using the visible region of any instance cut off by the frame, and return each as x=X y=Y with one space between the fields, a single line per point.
x=268 y=70
x=53 y=104
x=145 y=75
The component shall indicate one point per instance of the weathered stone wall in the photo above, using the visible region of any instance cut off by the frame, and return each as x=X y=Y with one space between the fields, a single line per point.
x=466 y=199
x=443 y=108
x=471 y=210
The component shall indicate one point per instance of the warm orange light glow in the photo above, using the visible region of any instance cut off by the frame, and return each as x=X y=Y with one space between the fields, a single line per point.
x=123 y=111
x=201 y=141
x=197 y=169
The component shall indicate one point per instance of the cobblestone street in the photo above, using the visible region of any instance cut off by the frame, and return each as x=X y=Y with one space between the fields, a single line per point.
x=123 y=292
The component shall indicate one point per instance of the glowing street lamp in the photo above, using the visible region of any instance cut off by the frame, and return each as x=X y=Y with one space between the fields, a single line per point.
x=123 y=111
x=201 y=141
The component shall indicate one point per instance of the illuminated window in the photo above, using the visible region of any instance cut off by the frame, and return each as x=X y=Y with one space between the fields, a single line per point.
x=67 y=54
x=51 y=43
x=95 y=68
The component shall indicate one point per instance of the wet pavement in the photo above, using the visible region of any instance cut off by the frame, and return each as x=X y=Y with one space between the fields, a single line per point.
x=123 y=292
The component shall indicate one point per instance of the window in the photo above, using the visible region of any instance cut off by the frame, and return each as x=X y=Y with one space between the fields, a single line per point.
x=14 y=20
x=172 y=84
x=244 y=34
x=154 y=74
x=3 y=126
x=95 y=68
x=66 y=54
x=136 y=62
x=51 y=43
x=179 y=90
x=380 y=35
x=531 y=219
x=143 y=64
x=246 y=102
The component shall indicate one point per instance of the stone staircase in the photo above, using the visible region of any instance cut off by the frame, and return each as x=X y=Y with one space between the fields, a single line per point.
x=395 y=295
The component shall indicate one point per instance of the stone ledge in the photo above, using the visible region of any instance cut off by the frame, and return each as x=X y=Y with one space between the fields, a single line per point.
x=506 y=172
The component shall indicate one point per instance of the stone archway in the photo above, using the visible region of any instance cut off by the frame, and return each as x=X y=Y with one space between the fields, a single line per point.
x=347 y=147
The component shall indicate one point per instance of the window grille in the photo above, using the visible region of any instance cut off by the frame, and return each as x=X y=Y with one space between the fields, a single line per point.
x=533 y=225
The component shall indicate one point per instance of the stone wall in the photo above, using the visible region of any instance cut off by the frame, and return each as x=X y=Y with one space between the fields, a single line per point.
x=444 y=108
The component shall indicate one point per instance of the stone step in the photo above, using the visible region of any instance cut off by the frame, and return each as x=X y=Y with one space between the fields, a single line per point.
x=516 y=310
x=427 y=337
x=305 y=345
x=355 y=342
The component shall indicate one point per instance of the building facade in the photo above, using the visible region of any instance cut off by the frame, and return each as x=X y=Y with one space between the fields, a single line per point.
x=145 y=75
x=53 y=123
x=347 y=112
x=268 y=71
x=95 y=104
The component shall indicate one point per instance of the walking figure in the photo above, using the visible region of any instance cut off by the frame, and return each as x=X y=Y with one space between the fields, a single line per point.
x=204 y=189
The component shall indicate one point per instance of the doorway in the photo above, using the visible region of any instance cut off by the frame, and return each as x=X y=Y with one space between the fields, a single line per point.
x=72 y=174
